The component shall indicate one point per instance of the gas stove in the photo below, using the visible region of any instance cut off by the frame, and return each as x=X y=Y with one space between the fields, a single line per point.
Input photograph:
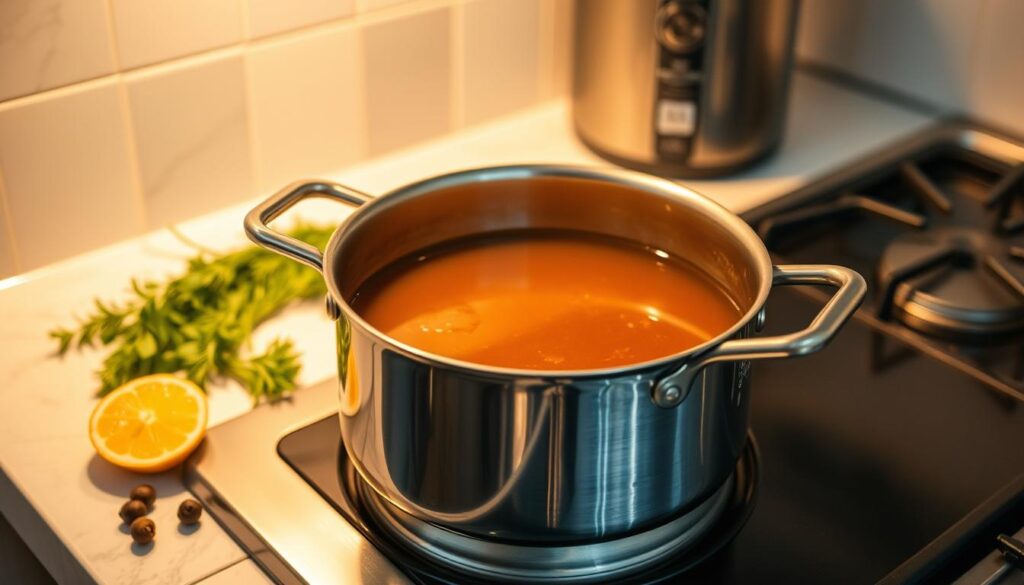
x=936 y=225
x=895 y=455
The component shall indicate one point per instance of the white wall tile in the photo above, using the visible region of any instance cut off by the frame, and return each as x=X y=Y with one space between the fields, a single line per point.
x=408 y=79
x=317 y=100
x=49 y=43
x=307 y=106
x=67 y=172
x=997 y=83
x=920 y=47
x=501 y=57
x=191 y=134
x=267 y=17
x=149 y=31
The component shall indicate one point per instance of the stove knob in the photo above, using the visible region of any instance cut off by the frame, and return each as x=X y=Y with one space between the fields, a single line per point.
x=681 y=27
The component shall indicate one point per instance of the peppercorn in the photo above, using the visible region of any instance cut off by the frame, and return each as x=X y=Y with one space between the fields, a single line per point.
x=143 y=530
x=189 y=512
x=145 y=494
x=131 y=510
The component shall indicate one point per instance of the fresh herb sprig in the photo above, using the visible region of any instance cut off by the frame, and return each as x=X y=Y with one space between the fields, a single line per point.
x=200 y=323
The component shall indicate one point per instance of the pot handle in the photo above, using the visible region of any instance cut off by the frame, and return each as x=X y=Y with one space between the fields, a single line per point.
x=259 y=232
x=671 y=390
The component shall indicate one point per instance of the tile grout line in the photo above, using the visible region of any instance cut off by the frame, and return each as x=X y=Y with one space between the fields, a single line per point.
x=115 y=55
x=128 y=126
x=9 y=225
x=256 y=170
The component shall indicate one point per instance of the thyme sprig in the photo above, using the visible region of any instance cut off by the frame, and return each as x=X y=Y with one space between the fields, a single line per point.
x=200 y=323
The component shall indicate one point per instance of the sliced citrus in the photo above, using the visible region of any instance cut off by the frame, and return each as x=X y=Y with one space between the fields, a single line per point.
x=150 y=424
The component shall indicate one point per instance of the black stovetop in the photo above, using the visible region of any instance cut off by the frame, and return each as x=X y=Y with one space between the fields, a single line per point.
x=870 y=451
x=890 y=456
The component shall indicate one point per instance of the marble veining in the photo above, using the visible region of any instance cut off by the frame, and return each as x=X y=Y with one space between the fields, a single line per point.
x=34 y=22
x=50 y=43
x=162 y=182
x=192 y=139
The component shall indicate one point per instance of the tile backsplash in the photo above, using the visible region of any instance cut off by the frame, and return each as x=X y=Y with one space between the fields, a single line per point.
x=121 y=116
x=960 y=56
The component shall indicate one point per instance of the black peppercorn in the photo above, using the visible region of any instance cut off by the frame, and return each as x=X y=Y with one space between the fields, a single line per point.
x=131 y=510
x=189 y=512
x=145 y=494
x=143 y=530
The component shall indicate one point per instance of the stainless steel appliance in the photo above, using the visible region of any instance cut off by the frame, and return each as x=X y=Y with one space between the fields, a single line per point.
x=683 y=88
x=531 y=456
x=892 y=456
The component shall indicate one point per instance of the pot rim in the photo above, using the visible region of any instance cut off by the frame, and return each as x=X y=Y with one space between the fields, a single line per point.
x=640 y=181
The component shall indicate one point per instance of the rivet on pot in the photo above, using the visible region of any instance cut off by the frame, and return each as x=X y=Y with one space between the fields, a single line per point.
x=333 y=311
x=668 y=394
x=759 y=320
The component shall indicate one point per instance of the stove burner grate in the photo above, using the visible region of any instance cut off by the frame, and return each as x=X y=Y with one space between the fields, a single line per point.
x=952 y=280
x=955 y=272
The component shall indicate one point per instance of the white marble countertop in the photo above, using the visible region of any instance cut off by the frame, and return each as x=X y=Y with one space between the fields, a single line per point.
x=63 y=500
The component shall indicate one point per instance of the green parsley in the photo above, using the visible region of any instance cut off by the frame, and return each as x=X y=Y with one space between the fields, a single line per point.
x=200 y=323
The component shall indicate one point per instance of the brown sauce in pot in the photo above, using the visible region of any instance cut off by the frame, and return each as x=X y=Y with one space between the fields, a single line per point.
x=546 y=301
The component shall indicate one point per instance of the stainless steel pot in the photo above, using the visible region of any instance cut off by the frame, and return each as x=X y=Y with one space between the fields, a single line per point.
x=530 y=456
